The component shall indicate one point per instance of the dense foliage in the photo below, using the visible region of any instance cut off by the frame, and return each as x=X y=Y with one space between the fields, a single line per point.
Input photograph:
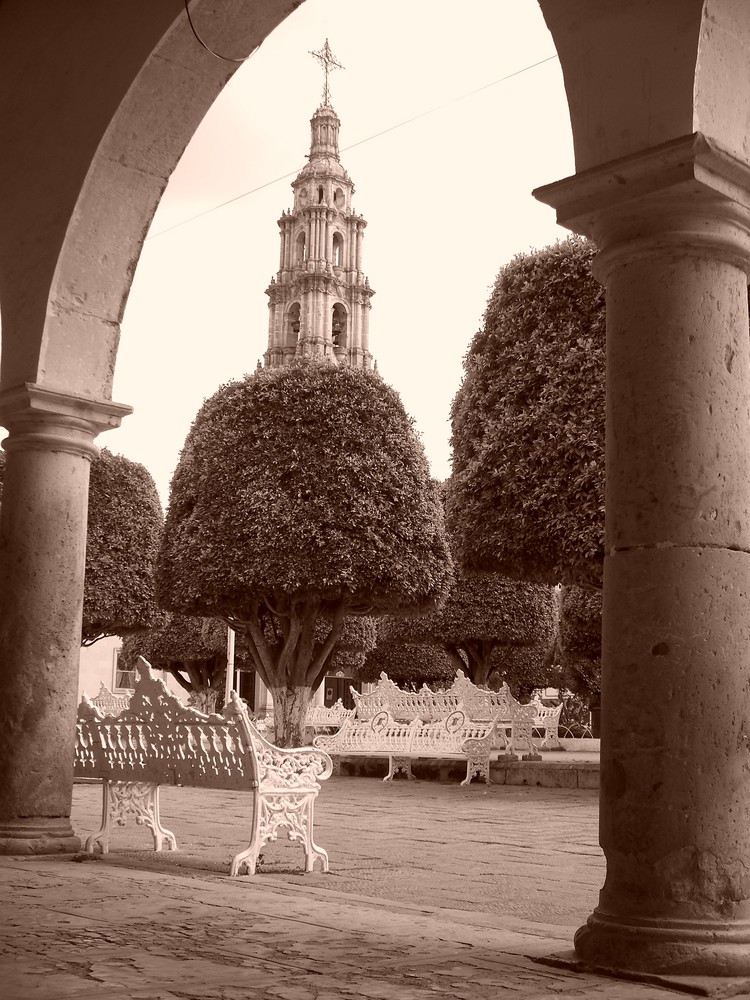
x=302 y=495
x=483 y=614
x=581 y=641
x=528 y=424
x=124 y=528
x=409 y=666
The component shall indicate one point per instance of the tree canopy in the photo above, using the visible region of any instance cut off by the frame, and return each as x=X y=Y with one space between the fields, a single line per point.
x=124 y=529
x=581 y=640
x=481 y=615
x=528 y=424
x=408 y=665
x=302 y=495
x=125 y=521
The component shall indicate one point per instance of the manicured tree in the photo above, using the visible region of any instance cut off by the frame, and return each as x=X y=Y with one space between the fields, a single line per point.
x=357 y=639
x=409 y=666
x=483 y=614
x=124 y=529
x=527 y=498
x=302 y=496
x=523 y=669
x=581 y=642
x=125 y=521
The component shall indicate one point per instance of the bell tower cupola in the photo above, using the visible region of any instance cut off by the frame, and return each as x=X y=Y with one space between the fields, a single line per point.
x=319 y=300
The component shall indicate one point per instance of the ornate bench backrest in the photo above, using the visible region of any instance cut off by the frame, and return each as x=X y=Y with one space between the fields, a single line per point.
x=548 y=715
x=449 y=734
x=160 y=740
x=380 y=699
x=335 y=715
x=109 y=703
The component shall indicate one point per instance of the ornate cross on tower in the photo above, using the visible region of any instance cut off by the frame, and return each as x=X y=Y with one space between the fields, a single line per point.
x=329 y=62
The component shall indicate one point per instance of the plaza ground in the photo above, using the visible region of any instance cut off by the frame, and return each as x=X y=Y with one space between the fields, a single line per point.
x=435 y=891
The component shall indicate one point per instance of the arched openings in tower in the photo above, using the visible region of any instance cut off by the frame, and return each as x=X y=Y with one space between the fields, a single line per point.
x=301 y=243
x=320 y=195
x=339 y=199
x=339 y=325
x=338 y=250
x=292 y=325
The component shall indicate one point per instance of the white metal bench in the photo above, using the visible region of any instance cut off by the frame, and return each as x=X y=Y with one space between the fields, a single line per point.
x=479 y=704
x=159 y=741
x=319 y=717
x=455 y=737
x=547 y=717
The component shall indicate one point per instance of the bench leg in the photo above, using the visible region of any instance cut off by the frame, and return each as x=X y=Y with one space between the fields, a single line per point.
x=396 y=764
x=276 y=811
x=312 y=851
x=477 y=765
x=121 y=799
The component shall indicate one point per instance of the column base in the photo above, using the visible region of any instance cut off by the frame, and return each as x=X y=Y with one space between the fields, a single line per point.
x=38 y=836
x=675 y=947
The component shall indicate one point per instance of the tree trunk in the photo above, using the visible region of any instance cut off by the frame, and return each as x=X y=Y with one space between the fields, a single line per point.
x=479 y=658
x=289 y=710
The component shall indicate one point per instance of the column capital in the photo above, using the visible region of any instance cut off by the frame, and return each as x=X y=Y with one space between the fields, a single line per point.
x=687 y=195
x=47 y=419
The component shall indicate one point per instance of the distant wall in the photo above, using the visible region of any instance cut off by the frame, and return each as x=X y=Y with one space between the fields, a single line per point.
x=99 y=665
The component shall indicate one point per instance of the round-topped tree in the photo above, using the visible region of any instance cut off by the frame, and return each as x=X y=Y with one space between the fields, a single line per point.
x=302 y=496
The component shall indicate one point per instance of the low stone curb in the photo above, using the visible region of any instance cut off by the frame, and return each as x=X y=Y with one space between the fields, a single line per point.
x=542 y=774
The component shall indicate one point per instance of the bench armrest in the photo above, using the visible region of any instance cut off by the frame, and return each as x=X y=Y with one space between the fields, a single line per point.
x=294 y=767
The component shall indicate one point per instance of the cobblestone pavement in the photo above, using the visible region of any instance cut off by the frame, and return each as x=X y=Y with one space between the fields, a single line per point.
x=435 y=892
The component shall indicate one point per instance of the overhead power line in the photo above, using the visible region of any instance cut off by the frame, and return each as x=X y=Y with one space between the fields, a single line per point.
x=360 y=142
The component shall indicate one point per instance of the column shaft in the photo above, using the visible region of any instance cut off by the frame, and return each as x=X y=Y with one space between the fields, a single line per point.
x=42 y=561
x=675 y=803
x=674 y=234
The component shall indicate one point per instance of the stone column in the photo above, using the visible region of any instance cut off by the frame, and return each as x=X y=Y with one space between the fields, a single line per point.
x=674 y=232
x=288 y=245
x=282 y=243
x=351 y=249
x=42 y=559
x=360 y=231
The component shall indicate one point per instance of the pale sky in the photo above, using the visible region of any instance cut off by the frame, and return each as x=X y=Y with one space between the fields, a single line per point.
x=447 y=198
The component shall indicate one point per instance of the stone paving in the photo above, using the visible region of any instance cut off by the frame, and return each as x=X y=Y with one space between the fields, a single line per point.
x=435 y=892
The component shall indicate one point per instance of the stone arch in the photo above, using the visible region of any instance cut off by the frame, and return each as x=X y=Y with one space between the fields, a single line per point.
x=292 y=325
x=115 y=140
x=300 y=249
x=339 y=325
x=338 y=250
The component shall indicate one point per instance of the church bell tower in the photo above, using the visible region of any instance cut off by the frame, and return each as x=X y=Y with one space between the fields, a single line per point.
x=319 y=301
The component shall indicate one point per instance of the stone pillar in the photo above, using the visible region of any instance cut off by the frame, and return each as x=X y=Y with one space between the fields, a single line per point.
x=351 y=229
x=674 y=233
x=360 y=231
x=42 y=560
x=288 y=244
